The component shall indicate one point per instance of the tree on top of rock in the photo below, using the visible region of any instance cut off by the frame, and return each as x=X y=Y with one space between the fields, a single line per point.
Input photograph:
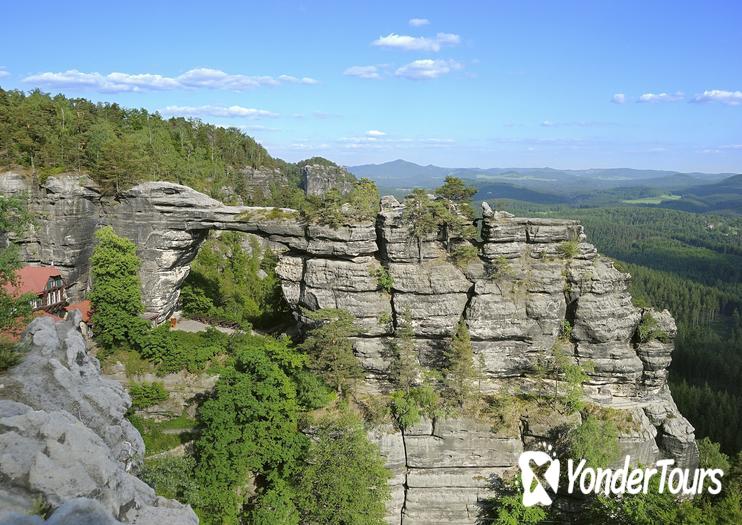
x=461 y=373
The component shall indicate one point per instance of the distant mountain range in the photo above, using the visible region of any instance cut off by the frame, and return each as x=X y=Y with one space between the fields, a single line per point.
x=697 y=192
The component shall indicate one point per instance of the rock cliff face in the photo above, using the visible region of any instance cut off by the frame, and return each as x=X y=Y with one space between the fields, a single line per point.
x=529 y=277
x=63 y=436
x=318 y=179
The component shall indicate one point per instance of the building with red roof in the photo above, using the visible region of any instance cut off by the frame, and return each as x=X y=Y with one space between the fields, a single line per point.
x=45 y=283
x=84 y=307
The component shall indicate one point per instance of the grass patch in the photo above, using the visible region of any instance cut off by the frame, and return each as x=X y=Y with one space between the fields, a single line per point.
x=134 y=364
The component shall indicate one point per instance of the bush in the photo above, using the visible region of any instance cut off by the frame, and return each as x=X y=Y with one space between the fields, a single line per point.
x=9 y=355
x=464 y=254
x=568 y=249
x=649 y=329
x=144 y=395
x=175 y=350
x=172 y=477
x=409 y=407
x=594 y=440
x=383 y=279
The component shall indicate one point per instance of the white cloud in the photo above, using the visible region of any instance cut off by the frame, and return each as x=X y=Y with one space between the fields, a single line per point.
x=375 y=133
x=731 y=98
x=419 y=22
x=4 y=72
x=618 y=98
x=417 y=43
x=660 y=97
x=371 y=72
x=206 y=78
x=216 y=111
x=426 y=69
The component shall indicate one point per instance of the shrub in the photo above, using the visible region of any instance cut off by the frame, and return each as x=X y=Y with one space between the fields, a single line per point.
x=594 y=440
x=500 y=268
x=464 y=254
x=568 y=249
x=409 y=407
x=144 y=395
x=172 y=477
x=9 y=355
x=383 y=279
x=649 y=329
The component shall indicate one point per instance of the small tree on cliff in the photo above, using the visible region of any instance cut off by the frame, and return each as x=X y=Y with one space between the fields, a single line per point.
x=462 y=373
x=116 y=297
x=422 y=215
x=404 y=369
x=455 y=213
x=331 y=351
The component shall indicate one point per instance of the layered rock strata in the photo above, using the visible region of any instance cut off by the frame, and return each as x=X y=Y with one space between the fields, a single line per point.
x=530 y=280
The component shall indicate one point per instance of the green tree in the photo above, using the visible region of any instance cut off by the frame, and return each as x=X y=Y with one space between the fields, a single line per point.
x=343 y=480
x=15 y=310
x=595 y=440
x=330 y=349
x=455 y=213
x=116 y=296
x=249 y=426
x=461 y=373
x=421 y=213
x=274 y=505
x=404 y=369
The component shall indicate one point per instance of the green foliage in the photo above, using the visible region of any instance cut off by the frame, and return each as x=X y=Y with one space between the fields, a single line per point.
x=595 y=440
x=383 y=279
x=500 y=268
x=711 y=457
x=274 y=505
x=160 y=436
x=330 y=350
x=408 y=406
x=15 y=312
x=145 y=395
x=572 y=375
x=343 y=479
x=116 y=297
x=649 y=329
x=120 y=147
x=172 y=477
x=250 y=425
x=455 y=190
x=175 y=350
x=464 y=254
x=568 y=249
x=421 y=213
x=508 y=509
x=9 y=355
x=461 y=374
x=360 y=204
x=232 y=285
x=404 y=368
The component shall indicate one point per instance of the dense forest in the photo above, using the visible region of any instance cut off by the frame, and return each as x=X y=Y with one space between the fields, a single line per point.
x=118 y=147
x=690 y=264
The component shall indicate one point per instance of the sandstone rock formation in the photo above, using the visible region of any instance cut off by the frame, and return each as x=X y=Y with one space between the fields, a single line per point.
x=63 y=436
x=529 y=278
x=318 y=179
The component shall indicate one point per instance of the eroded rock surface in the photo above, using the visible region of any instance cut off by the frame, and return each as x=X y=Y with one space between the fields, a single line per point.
x=531 y=276
x=63 y=435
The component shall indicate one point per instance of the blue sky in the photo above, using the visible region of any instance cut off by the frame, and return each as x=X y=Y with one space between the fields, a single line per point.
x=519 y=83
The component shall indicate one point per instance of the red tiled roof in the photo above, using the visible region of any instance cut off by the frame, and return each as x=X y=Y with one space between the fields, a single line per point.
x=84 y=307
x=31 y=279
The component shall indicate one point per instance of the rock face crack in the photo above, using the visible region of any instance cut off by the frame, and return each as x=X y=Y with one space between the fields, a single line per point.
x=513 y=298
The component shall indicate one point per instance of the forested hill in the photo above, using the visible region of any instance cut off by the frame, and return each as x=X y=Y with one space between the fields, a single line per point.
x=119 y=147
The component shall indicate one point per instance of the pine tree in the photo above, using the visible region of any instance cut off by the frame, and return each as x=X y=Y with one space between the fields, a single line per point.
x=331 y=351
x=461 y=374
x=404 y=369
